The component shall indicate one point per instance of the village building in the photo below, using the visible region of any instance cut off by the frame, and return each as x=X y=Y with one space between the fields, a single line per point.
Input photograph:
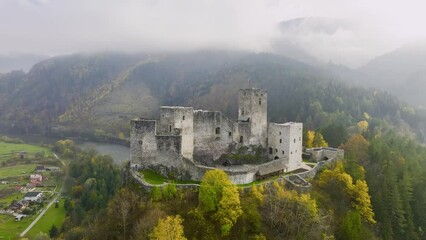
x=33 y=196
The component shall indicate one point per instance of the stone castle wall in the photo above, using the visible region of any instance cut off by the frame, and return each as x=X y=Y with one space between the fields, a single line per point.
x=213 y=135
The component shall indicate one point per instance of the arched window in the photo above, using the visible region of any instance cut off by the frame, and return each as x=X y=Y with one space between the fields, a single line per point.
x=217 y=130
x=241 y=139
x=140 y=142
x=276 y=157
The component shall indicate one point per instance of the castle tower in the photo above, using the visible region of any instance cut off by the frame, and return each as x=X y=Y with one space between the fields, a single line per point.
x=253 y=109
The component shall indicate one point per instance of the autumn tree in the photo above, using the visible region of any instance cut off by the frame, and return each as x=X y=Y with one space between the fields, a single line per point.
x=356 y=148
x=170 y=228
x=123 y=212
x=362 y=126
x=319 y=140
x=218 y=195
x=309 y=139
x=340 y=185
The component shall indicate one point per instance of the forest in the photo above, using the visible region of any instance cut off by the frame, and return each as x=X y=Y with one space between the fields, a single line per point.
x=377 y=192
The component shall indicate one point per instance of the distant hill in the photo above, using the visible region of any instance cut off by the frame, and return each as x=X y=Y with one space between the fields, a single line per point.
x=402 y=72
x=98 y=94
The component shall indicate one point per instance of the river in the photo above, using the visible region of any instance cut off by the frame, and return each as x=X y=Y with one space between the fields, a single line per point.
x=119 y=153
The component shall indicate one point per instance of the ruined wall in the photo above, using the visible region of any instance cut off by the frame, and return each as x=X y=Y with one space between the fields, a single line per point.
x=253 y=107
x=143 y=145
x=178 y=121
x=242 y=133
x=321 y=154
x=285 y=142
x=213 y=135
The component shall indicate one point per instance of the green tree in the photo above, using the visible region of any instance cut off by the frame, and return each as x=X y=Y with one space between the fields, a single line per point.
x=53 y=232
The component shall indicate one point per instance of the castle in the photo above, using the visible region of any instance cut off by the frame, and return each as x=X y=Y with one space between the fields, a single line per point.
x=184 y=143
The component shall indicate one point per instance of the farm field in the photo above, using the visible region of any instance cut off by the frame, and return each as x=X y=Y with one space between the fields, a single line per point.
x=7 y=149
x=10 y=229
x=54 y=216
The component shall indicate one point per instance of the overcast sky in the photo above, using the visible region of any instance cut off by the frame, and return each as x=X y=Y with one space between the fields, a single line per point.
x=67 y=26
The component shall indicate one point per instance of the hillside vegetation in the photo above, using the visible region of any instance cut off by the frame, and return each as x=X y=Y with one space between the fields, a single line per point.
x=96 y=95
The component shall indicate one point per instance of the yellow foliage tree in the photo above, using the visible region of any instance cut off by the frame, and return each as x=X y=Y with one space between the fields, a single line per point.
x=357 y=193
x=229 y=209
x=362 y=200
x=309 y=141
x=319 y=140
x=362 y=125
x=170 y=228
x=257 y=193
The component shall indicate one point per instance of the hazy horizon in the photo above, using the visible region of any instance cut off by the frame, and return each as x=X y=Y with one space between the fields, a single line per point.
x=57 y=27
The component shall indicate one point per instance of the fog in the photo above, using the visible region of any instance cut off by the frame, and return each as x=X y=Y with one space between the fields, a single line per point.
x=57 y=27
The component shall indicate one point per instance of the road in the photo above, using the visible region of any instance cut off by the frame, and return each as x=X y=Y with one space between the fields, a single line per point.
x=38 y=218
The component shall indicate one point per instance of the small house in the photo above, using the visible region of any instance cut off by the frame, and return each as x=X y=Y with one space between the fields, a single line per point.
x=36 y=178
x=33 y=196
x=39 y=169
x=19 y=217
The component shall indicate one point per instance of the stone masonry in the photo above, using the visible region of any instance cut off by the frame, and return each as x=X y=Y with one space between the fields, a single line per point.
x=184 y=143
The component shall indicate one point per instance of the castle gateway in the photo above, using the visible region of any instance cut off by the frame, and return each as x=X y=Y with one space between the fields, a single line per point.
x=184 y=143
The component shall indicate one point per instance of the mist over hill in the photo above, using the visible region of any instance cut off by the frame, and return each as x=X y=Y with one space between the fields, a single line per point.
x=401 y=72
x=22 y=62
x=98 y=94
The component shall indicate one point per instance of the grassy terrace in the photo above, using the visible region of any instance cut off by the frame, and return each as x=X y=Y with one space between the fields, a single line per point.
x=10 y=229
x=18 y=170
x=152 y=177
x=6 y=149
x=54 y=216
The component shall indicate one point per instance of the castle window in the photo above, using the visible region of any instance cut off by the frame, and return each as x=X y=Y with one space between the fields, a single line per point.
x=242 y=112
x=261 y=94
x=276 y=150
x=230 y=134
x=140 y=142
x=280 y=133
x=260 y=101
x=291 y=152
x=217 y=130
x=241 y=139
x=183 y=118
x=270 y=150
x=245 y=93
x=276 y=157
x=170 y=128
x=295 y=140
x=281 y=141
x=282 y=152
